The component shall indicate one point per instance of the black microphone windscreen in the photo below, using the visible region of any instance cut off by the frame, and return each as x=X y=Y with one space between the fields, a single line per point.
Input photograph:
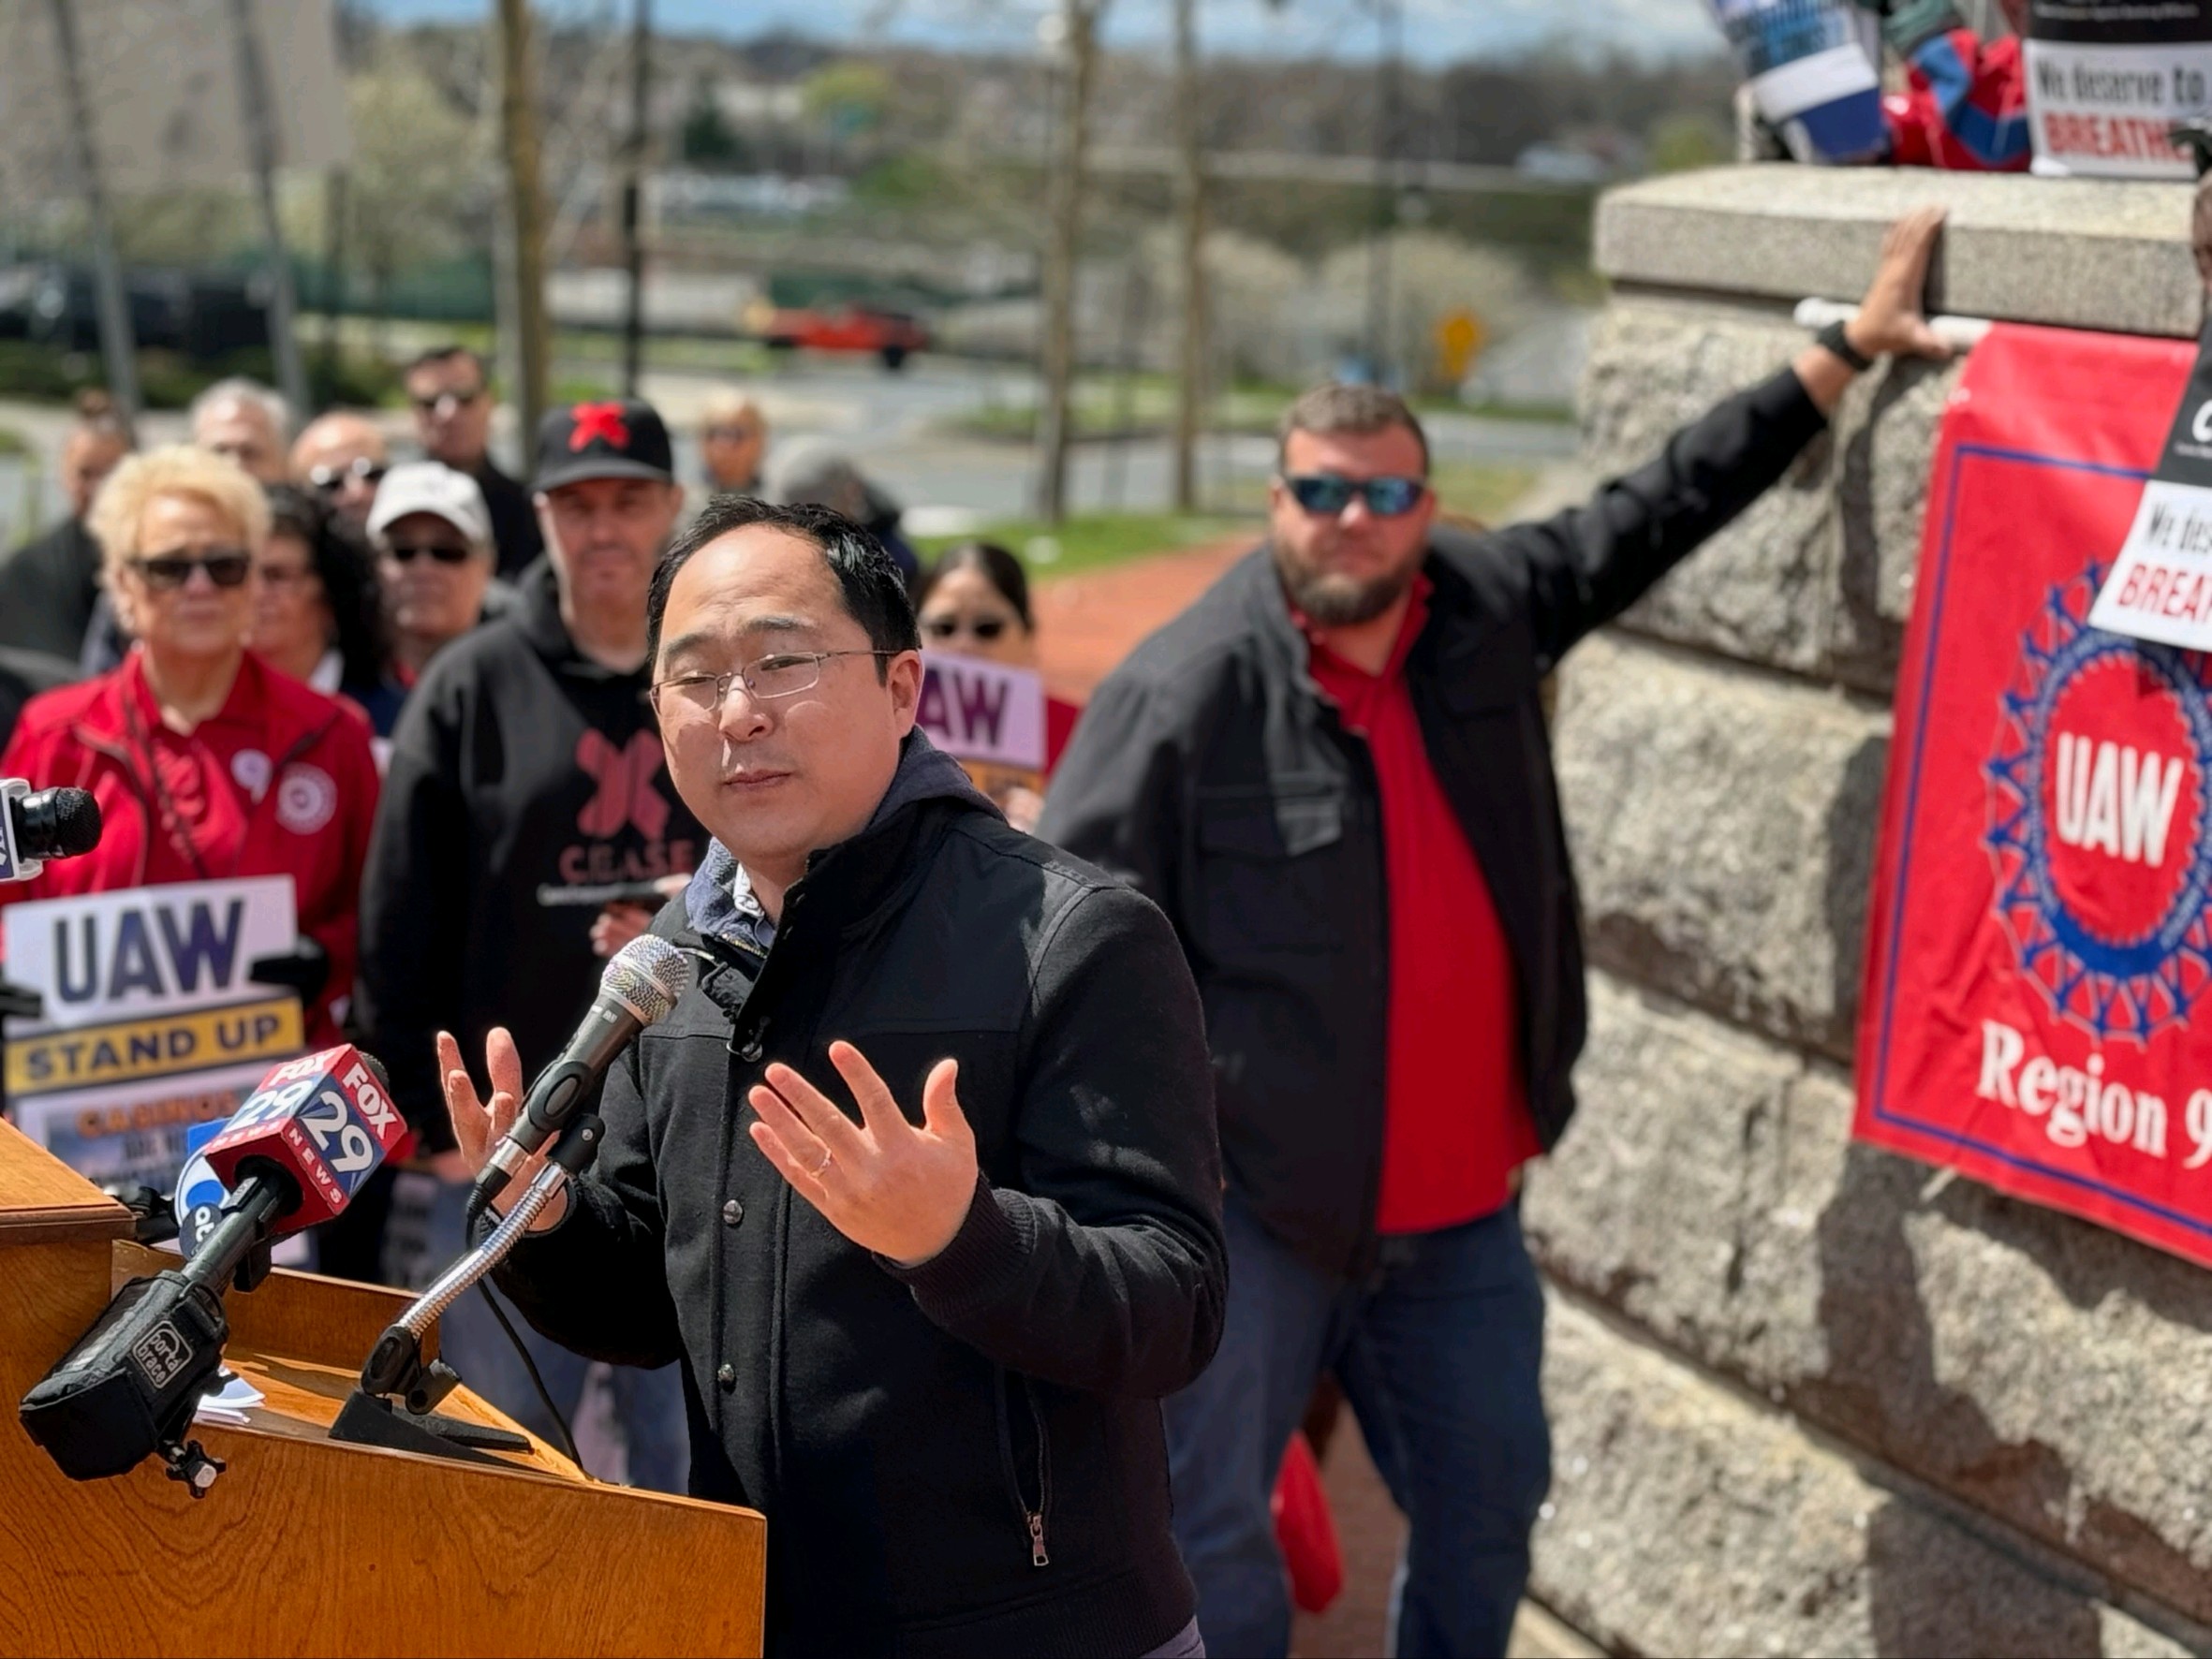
x=57 y=823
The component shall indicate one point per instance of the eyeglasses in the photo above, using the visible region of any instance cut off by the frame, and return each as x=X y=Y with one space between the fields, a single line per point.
x=951 y=627
x=445 y=552
x=436 y=401
x=764 y=678
x=328 y=478
x=1327 y=495
x=284 y=575
x=227 y=568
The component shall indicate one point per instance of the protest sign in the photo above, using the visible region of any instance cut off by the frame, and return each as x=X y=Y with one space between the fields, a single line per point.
x=2161 y=586
x=2106 y=79
x=1811 y=69
x=150 y=1024
x=2039 y=946
x=987 y=716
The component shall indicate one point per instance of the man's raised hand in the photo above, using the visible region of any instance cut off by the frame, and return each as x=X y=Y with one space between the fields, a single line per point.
x=888 y=1186
x=480 y=1125
x=1892 y=319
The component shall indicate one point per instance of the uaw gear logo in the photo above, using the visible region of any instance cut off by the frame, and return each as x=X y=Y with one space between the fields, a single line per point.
x=307 y=798
x=2099 y=796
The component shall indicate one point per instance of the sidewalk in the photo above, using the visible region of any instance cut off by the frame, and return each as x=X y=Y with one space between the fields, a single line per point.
x=1088 y=622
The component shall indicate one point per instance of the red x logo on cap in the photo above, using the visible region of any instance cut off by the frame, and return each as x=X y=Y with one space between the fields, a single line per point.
x=598 y=420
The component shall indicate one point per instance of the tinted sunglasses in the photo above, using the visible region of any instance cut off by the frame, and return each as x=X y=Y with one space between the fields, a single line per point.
x=326 y=478
x=460 y=400
x=227 y=568
x=444 y=552
x=946 y=627
x=1327 y=495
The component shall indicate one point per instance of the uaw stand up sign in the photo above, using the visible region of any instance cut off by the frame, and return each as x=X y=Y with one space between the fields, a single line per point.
x=2038 y=976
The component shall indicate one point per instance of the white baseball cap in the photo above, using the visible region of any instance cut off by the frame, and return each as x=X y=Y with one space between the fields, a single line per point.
x=432 y=487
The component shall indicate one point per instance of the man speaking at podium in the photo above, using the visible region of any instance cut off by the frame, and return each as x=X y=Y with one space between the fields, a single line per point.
x=920 y=1180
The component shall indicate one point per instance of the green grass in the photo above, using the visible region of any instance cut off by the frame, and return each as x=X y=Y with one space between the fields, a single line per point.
x=1104 y=407
x=1480 y=491
x=1090 y=541
x=741 y=357
x=47 y=374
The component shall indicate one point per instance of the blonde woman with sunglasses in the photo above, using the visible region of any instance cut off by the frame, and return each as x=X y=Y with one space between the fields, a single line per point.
x=208 y=764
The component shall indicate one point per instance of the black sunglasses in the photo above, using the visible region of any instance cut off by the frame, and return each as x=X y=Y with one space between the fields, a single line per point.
x=326 y=478
x=461 y=400
x=946 y=627
x=227 y=568
x=443 y=551
x=1328 y=494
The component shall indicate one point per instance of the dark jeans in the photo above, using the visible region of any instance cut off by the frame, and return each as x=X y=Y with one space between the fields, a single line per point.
x=1438 y=1351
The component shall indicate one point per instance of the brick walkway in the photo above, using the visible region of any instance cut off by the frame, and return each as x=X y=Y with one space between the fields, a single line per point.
x=1086 y=623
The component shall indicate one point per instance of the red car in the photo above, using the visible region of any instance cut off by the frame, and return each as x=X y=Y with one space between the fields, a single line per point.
x=892 y=336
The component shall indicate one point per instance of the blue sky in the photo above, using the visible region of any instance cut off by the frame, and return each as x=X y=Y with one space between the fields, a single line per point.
x=1436 y=29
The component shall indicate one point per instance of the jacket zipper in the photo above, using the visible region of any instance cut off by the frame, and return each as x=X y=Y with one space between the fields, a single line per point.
x=1032 y=1519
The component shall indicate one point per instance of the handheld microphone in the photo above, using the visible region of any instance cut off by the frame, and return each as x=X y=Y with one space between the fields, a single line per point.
x=316 y=1128
x=292 y=1155
x=642 y=982
x=44 y=824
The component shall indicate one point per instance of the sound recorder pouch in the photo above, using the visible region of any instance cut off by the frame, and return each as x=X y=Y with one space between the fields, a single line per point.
x=131 y=1385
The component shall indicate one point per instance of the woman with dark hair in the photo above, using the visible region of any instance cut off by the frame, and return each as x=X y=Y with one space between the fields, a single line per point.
x=974 y=601
x=319 y=613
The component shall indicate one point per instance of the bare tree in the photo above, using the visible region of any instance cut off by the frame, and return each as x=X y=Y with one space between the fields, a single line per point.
x=1078 y=44
x=526 y=215
x=1190 y=186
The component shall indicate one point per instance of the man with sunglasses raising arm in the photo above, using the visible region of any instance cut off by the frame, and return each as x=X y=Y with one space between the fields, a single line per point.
x=1333 y=774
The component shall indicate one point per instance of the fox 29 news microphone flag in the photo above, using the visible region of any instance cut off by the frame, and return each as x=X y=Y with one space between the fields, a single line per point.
x=2038 y=1008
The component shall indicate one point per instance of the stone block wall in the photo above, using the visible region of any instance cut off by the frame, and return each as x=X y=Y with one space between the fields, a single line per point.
x=1812 y=1398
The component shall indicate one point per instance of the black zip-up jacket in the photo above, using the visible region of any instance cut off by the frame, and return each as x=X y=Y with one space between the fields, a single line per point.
x=519 y=767
x=1210 y=772
x=965 y=1458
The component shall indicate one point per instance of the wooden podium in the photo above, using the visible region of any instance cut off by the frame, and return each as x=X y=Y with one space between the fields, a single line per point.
x=307 y=1545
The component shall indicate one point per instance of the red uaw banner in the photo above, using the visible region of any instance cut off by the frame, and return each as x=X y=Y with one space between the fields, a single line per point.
x=2039 y=952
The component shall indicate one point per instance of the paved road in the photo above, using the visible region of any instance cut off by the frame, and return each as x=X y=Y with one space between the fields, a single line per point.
x=898 y=427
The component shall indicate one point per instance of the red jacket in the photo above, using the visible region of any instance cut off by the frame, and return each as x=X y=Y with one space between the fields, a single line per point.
x=279 y=782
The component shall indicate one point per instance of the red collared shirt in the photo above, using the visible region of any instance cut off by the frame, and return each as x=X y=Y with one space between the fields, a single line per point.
x=1456 y=1124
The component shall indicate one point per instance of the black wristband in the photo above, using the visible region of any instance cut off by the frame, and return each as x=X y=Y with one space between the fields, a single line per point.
x=1833 y=338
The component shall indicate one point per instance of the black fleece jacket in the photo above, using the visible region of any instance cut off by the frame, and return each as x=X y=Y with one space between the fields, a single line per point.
x=519 y=768
x=1212 y=774
x=965 y=1458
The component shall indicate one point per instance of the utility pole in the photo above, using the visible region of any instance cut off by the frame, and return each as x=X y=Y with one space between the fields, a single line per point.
x=1079 y=43
x=1190 y=213
x=633 y=190
x=333 y=266
x=526 y=215
x=260 y=137
x=119 y=349
x=1389 y=90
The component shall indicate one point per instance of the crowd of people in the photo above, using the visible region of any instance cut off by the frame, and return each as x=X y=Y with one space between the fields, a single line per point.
x=273 y=654
x=988 y=1210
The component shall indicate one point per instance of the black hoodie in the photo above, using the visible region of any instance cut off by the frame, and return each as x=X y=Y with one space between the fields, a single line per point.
x=964 y=1458
x=519 y=765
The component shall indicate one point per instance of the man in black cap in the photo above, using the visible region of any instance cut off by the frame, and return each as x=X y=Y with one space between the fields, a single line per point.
x=525 y=772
